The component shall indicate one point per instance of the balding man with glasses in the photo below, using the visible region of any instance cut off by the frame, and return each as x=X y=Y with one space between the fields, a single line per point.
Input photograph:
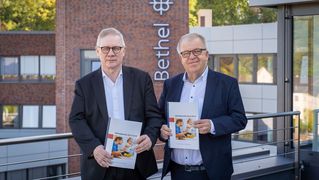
x=114 y=92
x=221 y=113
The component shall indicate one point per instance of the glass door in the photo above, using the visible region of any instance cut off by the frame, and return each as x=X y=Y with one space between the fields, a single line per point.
x=306 y=75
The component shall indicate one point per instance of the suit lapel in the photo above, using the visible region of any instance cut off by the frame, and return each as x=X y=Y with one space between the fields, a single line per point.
x=98 y=86
x=177 y=90
x=127 y=91
x=209 y=92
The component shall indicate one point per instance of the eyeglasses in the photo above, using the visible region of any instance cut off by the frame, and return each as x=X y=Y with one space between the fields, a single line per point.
x=196 y=52
x=115 y=49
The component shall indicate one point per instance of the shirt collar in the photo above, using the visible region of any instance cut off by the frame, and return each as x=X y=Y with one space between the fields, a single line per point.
x=105 y=76
x=202 y=77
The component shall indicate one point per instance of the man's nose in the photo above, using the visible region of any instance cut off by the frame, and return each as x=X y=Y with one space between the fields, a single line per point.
x=192 y=56
x=111 y=53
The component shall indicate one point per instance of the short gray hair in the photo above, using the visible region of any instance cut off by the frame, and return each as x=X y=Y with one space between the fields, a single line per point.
x=190 y=36
x=109 y=31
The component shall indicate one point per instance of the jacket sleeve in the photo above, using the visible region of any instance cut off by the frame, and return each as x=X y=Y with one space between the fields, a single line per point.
x=235 y=120
x=162 y=107
x=80 y=129
x=152 y=114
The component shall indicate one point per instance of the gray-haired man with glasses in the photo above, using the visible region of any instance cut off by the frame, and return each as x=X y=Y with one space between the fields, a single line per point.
x=114 y=92
x=221 y=113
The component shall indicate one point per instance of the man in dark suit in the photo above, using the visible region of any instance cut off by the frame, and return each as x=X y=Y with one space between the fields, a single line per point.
x=220 y=108
x=114 y=92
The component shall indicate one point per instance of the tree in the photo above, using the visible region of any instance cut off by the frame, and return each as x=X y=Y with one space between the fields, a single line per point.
x=192 y=12
x=232 y=12
x=27 y=15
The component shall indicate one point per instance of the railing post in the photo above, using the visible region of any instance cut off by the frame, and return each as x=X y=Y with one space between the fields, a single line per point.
x=297 y=154
x=315 y=132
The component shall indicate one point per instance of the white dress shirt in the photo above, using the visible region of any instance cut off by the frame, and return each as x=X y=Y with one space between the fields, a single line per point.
x=192 y=92
x=114 y=96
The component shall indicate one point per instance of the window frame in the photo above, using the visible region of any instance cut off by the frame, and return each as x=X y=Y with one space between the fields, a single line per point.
x=20 y=116
x=214 y=63
x=20 y=79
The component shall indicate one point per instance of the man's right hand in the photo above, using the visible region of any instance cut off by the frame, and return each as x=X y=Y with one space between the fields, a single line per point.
x=165 y=132
x=102 y=157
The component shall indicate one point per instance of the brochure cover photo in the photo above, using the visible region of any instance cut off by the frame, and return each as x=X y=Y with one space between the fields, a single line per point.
x=120 y=142
x=181 y=118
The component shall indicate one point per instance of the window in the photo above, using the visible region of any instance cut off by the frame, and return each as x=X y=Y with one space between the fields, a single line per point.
x=10 y=116
x=226 y=65
x=95 y=65
x=245 y=68
x=47 y=67
x=250 y=68
x=49 y=116
x=30 y=117
x=202 y=21
x=27 y=116
x=89 y=62
x=9 y=68
x=265 y=71
x=29 y=67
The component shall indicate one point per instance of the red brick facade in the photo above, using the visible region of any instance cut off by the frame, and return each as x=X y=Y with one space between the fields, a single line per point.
x=21 y=44
x=77 y=26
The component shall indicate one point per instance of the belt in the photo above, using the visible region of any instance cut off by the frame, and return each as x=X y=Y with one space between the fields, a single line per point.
x=189 y=168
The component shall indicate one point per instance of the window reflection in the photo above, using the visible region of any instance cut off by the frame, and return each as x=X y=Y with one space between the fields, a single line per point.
x=10 y=117
x=9 y=68
x=265 y=71
x=227 y=65
x=306 y=73
x=245 y=68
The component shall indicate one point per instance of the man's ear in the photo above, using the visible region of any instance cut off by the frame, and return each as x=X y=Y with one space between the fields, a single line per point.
x=97 y=50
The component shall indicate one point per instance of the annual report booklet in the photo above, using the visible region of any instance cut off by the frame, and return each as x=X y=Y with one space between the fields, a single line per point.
x=181 y=118
x=121 y=142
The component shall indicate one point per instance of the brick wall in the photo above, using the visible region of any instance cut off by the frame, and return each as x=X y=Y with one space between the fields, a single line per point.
x=27 y=43
x=78 y=23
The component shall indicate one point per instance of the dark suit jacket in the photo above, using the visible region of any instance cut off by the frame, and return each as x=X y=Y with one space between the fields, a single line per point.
x=223 y=105
x=89 y=118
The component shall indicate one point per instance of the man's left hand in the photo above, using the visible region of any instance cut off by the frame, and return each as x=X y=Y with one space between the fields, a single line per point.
x=144 y=143
x=203 y=126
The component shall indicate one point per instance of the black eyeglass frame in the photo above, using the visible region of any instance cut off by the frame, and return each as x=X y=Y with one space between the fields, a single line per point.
x=106 y=49
x=196 y=52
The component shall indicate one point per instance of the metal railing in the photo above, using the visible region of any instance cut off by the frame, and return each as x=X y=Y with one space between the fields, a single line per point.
x=290 y=143
x=293 y=150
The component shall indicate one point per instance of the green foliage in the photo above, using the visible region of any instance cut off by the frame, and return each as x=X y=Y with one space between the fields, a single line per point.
x=231 y=12
x=192 y=12
x=27 y=15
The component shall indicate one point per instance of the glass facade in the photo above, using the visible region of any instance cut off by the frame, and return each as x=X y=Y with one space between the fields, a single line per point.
x=306 y=74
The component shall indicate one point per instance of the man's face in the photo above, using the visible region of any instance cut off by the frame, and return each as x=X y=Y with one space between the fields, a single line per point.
x=194 y=63
x=111 y=60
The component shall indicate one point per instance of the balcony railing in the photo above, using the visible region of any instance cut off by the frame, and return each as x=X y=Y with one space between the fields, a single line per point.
x=259 y=156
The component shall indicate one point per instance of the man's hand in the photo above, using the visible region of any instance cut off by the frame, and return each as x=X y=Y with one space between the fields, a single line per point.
x=165 y=132
x=203 y=126
x=102 y=157
x=144 y=143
